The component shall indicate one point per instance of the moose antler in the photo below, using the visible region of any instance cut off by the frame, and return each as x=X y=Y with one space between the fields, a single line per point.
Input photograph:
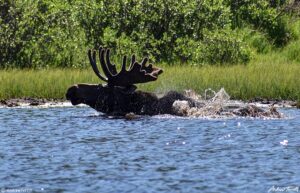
x=137 y=73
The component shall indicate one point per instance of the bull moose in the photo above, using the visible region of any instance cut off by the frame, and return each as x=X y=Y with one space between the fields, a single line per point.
x=120 y=97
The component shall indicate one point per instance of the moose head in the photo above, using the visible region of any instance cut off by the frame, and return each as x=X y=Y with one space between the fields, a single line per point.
x=119 y=84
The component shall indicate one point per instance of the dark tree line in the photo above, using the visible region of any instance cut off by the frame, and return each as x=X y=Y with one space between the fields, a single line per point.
x=57 y=33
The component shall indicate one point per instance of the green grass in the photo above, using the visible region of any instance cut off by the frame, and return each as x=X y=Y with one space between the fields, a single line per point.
x=267 y=77
x=51 y=83
x=241 y=82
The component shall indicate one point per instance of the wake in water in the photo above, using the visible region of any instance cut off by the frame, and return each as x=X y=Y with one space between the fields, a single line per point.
x=218 y=105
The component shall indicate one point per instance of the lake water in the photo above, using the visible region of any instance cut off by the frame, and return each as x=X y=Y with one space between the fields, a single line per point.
x=77 y=150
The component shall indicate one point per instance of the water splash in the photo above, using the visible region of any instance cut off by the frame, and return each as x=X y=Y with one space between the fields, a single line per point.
x=219 y=105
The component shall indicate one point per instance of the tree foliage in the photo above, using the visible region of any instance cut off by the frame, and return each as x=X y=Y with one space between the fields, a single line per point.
x=57 y=33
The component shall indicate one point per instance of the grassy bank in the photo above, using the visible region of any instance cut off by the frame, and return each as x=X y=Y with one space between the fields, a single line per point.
x=265 y=78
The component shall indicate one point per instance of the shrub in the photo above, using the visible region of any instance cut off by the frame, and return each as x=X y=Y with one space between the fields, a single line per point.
x=57 y=33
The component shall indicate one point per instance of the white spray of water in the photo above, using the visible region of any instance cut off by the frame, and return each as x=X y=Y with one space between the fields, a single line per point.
x=214 y=105
x=211 y=106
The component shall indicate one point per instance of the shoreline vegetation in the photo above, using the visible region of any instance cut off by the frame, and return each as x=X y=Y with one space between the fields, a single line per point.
x=264 y=78
x=57 y=34
x=249 y=48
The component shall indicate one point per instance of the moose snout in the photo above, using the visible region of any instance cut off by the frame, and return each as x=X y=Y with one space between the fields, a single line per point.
x=71 y=95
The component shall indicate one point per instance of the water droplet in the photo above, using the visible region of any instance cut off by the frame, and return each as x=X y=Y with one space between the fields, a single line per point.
x=167 y=143
x=284 y=142
x=239 y=124
x=183 y=142
x=178 y=128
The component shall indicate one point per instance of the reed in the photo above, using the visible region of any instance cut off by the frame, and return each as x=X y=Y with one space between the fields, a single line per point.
x=50 y=83
x=266 y=78
x=274 y=81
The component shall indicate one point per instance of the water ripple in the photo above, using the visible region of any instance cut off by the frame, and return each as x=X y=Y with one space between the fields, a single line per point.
x=78 y=150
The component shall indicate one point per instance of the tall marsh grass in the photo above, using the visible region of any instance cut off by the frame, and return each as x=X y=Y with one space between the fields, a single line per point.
x=266 y=78
x=50 y=83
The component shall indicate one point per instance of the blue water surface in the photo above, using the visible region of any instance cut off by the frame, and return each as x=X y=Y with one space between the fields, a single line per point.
x=77 y=150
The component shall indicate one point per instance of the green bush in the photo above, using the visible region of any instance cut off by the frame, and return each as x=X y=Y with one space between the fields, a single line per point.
x=10 y=44
x=258 y=41
x=55 y=33
x=40 y=34
x=218 y=47
x=51 y=36
x=263 y=15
